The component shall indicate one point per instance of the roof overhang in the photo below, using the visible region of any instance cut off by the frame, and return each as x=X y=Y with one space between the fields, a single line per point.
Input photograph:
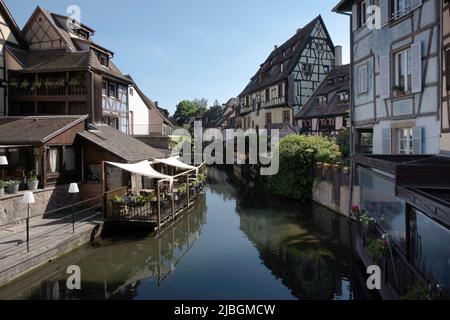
x=344 y=6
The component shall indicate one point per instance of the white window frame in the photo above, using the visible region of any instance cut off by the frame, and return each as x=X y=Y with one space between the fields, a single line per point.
x=107 y=88
x=402 y=7
x=363 y=78
x=405 y=135
x=403 y=59
x=363 y=13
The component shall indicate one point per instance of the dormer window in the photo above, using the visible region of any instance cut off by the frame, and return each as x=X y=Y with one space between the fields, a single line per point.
x=322 y=100
x=83 y=34
x=307 y=68
x=343 y=97
x=104 y=61
x=330 y=82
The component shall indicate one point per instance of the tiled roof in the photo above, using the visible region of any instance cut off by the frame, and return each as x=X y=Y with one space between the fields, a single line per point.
x=329 y=87
x=51 y=60
x=124 y=146
x=34 y=130
x=283 y=54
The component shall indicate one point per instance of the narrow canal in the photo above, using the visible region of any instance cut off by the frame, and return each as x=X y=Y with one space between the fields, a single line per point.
x=232 y=245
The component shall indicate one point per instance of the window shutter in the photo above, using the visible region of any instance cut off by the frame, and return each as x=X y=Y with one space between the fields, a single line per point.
x=384 y=77
x=415 y=4
x=291 y=90
x=384 y=12
x=417 y=140
x=387 y=141
x=416 y=72
x=354 y=17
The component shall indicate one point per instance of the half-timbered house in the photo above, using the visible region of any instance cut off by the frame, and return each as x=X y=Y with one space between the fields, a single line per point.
x=401 y=181
x=65 y=73
x=328 y=110
x=11 y=36
x=288 y=78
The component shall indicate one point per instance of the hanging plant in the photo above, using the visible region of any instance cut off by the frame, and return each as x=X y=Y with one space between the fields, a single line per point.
x=37 y=84
x=60 y=83
x=48 y=83
x=13 y=82
x=25 y=84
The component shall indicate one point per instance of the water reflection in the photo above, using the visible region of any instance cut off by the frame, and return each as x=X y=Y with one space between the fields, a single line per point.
x=232 y=245
x=117 y=268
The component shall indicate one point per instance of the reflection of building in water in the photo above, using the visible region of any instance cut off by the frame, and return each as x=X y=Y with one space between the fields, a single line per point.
x=312 y=262
x=117 y=269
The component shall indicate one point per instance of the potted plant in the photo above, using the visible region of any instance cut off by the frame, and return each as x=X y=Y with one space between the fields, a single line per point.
x=346 y=170
x=13 y=82
x=48 y=83
x=12 y=187
x=377 y=248
x=32 y=183
x=37 y=85
x=398 y=90
x=367 y=222
x=2 y=188
x=24 y=84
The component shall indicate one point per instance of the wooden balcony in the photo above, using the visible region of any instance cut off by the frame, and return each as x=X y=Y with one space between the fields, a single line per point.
x=273 y=103
x=64 y=93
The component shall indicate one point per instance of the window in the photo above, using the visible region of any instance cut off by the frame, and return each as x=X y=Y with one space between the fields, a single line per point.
x=401 y=7
x=112 y=90
x=286 y=116
x=326 y=69
x=104 y=88
x=54 y=160
x=280 y=91
x=362 y=79
x=267 y=94
x=403 y=69
x=307 y=68
x=103 y=60
x=247 y=101
x=430 y=249
x=282 y=67
x=343 y=97
x=70 y=162
x=322 y=100
x=330 y=82
x=268 y=119
x=131 y=92
x=405 y=141
x=363 y=13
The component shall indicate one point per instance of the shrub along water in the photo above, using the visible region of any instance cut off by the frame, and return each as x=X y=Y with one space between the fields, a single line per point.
x=298 y=156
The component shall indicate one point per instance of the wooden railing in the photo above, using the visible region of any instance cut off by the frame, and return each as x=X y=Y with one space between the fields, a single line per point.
x=48 y=92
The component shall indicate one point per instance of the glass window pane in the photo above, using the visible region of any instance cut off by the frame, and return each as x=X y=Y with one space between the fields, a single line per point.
x=431 y=249
x=379 y=201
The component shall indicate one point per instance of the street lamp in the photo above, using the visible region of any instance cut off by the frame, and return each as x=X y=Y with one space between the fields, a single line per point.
x=3 y=162
x=73 y=189
x=28 y=199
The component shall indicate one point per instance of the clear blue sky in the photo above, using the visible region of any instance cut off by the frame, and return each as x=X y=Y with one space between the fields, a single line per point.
x=185 y=49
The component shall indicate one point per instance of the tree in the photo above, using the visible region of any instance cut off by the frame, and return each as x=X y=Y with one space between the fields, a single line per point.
x=187 y=109
x=298 y=155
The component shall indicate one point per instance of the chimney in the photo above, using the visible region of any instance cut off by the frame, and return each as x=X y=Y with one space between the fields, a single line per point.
x=298 y=30
x=275 y=47
x=156 y=104
x=338 y=55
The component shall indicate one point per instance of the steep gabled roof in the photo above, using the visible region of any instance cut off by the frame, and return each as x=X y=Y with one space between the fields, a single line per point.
x=120 y=144
x=9 y=19
x=329 y=87
x=283 y=54
x=39 y=130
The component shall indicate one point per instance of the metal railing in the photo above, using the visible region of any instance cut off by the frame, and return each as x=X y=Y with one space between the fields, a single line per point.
x=66 y=216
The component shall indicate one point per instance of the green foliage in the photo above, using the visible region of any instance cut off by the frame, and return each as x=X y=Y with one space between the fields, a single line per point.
x=366 y=221
x=417 y=293
x=182 y=188
x=377 y=248
x=32 y=179
x=117 y=199
x=187 y=109
x=2 y=184
x=343 y=141
x=298 y=155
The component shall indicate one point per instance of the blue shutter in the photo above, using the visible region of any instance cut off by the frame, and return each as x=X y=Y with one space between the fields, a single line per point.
x=417 y=140
x=387 y=141
x=416 y=72
x=354 y=17
x=385 y=88
x=384 y=12
x=415 y=4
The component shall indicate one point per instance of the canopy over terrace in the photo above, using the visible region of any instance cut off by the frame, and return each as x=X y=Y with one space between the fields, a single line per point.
x=177 y=163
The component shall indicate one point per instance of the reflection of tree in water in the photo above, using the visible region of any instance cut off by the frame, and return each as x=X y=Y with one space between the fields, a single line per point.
x=311 y=261
x=116 y=269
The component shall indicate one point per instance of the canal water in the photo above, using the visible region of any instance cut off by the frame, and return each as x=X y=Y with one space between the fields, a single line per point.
x=232 y=245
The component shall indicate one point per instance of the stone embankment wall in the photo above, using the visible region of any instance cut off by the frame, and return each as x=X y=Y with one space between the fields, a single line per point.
x=12 y=209
x=332 y=189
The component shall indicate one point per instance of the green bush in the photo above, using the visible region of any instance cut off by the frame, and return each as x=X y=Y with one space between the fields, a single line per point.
x=298 y=156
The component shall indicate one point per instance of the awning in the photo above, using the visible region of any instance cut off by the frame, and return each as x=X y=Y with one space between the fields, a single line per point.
x=142 y=169
x=176 y=162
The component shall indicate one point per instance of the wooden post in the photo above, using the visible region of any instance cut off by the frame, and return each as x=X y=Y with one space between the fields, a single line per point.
x=158 y=193
x=173 y=204
x=187 y=181
x=105 y=204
